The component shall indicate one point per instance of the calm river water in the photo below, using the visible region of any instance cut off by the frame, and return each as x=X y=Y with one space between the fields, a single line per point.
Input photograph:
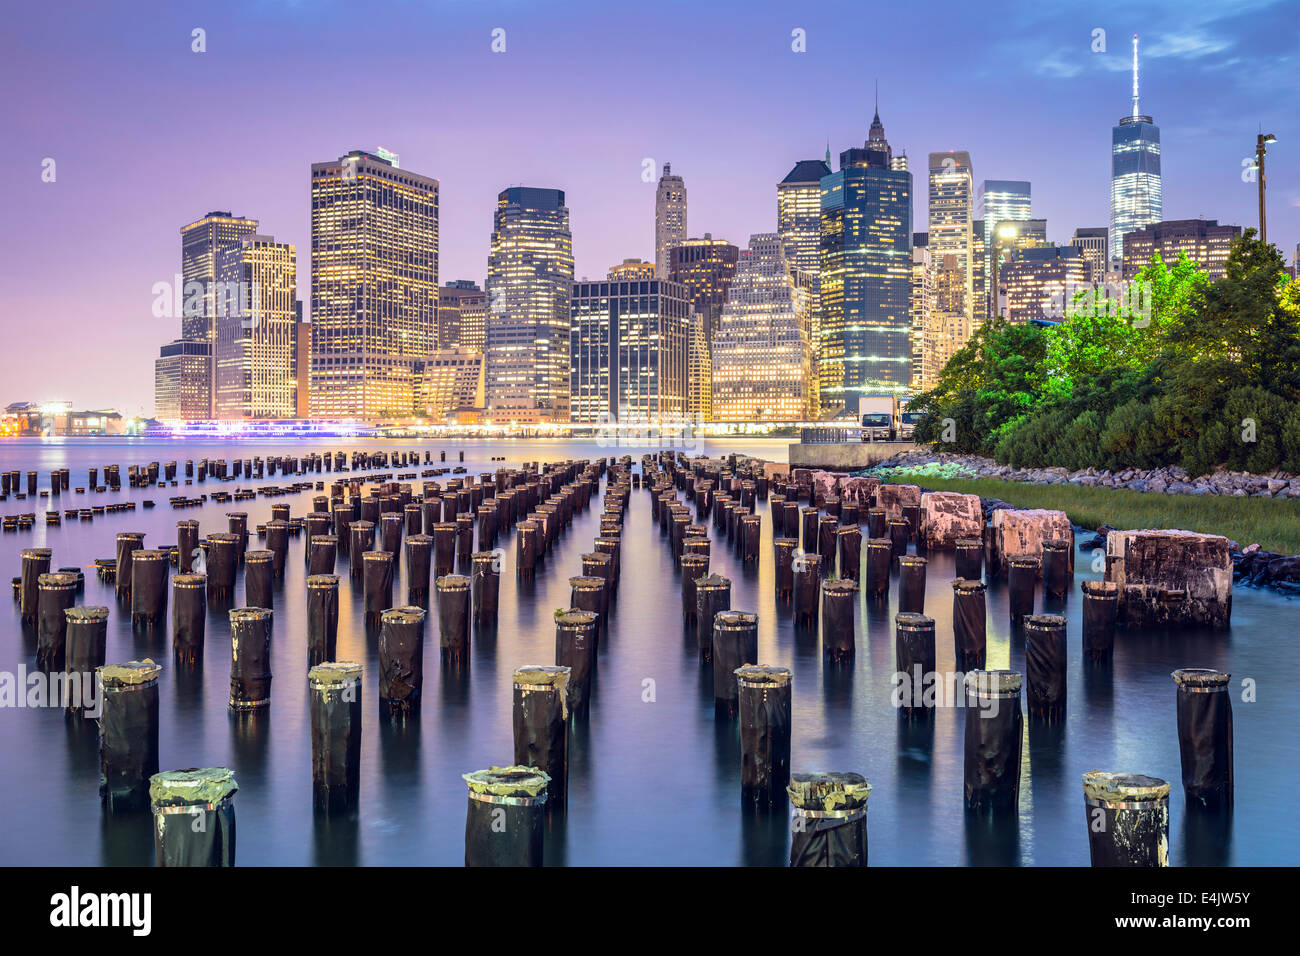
x=650 y=782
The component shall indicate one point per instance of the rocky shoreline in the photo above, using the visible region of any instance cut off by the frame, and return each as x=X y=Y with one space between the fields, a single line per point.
x=1251 y=566
x=1170 y=481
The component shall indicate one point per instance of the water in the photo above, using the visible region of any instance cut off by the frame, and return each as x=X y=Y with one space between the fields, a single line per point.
x=650 y=782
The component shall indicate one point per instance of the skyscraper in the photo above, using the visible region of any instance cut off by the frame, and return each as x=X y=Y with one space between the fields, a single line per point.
x=798 y=223
x=202 y=243
x=374 y=284
x=1000 y=200
x=670 y=218
x=706 y=267
x=922 y=305
x=181 y=382
x=762 y=354
x=529 y=285
x=628 y=347
x=462 y=316
x=254 y=352
x=1135 y=184
x=866 y=276
x=952 y=217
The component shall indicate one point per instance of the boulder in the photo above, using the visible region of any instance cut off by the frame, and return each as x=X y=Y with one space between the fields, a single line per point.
x=776 y=469
x=947 y=516
x=1016 y=531
x=801 y=478
x=859 y=491
x=1171 y=577
x=824 y=485
x=893 y=497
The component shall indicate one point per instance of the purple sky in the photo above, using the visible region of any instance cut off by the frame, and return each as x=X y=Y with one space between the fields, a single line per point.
x=147 y=135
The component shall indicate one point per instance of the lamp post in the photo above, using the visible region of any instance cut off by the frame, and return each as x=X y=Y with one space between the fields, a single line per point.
x=1262 y=142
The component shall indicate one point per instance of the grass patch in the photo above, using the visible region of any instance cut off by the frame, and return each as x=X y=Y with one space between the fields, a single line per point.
x=1273 y=523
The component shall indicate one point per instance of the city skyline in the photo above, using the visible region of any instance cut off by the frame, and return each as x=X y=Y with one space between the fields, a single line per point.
x=98 y=282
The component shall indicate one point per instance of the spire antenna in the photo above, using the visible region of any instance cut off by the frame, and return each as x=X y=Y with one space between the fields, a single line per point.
x=1135 y=76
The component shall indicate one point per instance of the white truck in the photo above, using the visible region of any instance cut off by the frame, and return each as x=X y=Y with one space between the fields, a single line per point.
x=906 y=421
x=879 y=417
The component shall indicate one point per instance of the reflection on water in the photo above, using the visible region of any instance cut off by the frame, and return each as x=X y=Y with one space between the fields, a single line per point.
x=654 y=776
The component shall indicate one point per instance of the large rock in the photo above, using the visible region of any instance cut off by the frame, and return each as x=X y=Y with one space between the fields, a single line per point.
x=802 y=479
x=825 y=484
x=893 y=497
x=1016 y=531
x=947 y=516
x=1171 y=577
x=860 y=492
x=776 y=469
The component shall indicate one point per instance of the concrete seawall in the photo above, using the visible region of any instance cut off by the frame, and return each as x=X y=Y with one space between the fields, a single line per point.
x=848 y=456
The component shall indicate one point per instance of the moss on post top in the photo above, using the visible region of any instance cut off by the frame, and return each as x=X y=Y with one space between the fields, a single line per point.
x=191 y=787
x=1123 y=787
x=828 y=791
x=508 y=781
x=130 y=673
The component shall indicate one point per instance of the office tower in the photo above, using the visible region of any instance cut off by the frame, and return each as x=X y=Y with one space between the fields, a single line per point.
x=1040 y=281
x=1091 y=241
x=628 y=348
x=202 y=242
x=529 y=284
x=632 y=269
x=952 y=216
x=462 y=316
x=762 y=354
x=866 y=277
x=181 y=377
x=255 y=346
x=1135 y=185
x=798 y=223
x=1000 y=200
x=1008 y=236
x=670 y=218
x=920 y=309
x=374 y=284
x=449 y=381
x=706 y=267
x=1204 y=240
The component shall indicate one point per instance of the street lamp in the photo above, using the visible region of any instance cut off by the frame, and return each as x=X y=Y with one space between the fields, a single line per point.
x=1262 y=142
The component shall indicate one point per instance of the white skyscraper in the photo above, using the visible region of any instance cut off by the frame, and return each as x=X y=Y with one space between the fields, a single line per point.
x=670 y=219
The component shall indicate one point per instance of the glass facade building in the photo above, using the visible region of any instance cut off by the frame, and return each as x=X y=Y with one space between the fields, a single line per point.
x=374 y=285
x=706 y=267
x=866 y=277
x=462 y=316
x=255 y=351
x=762 y=354
x=529 y=286
x=628 y=348
x=1136 y=197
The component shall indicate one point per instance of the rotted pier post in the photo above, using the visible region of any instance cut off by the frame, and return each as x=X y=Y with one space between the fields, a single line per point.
x=187 y=543
x=322 y=618
x=189 y=617
x=250 y=658
x=259 y=577
x=505 y=820
x=829 y=826
x=763 y=702
x=735 y=644
x=128 y=733
x=377 y=583
x=194 y=817
x=575 y=648
x=335 y=714
x=1100 y=612
x=86 y=643
x=401 y=660
x=221 y=564
x=1022 y=582
x=57 y=592
x=1128 y=819
x=1204 y=715
x=995 y=731
x=1046 y=654
x=35 y=564
x=914 y=656
x=969 y=557
x=363 y=543
x=128 y=542
x=712 y=594
x=1057 y=574
x=453 y=618
x=880 y=555
x=839 y=598
x=807 y=588
x=485 y=585
x=911 y=584
x=969 y=624
x=323 y=554
x=541 y=723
